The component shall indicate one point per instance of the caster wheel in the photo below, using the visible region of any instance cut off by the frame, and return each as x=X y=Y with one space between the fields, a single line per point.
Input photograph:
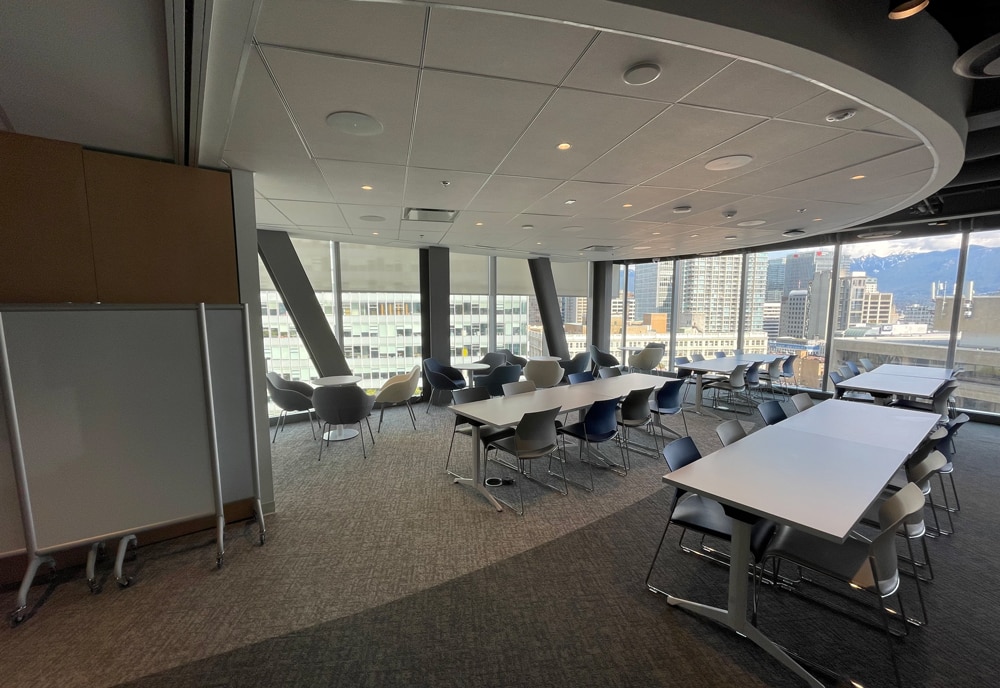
x=218 y=563
x=94 y=586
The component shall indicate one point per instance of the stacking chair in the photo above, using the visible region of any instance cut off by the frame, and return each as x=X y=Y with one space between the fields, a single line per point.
x=577 y=378
x=938 y=403
x=493 y=359
x=599 y=425
x=684 y=374
x=730 y=431
x=836 y=378
x=919 y=469
x=602 y=359
x=802 y=401
x=697 y=357
x=519 y=387
x=544 y=373
x=534 y=438
x=577 y=364
x=788 y=371
x=853 y=367
x=398 y=389
x=289 y=395
x=772 y=375
x=441 y=378
x=771 y=412
x=869 y=566
x=609 y=372
x=500 y=376
x=733 y=385
x=634 y=412
x=512 y=358
x=702 y=515
x=645 y=361
x=720 y=354
x=344 y=405
x=845 y=372
x=752 y=379
x=867 y=364
x=463 y=425
x=668 y=402
x=946 y=446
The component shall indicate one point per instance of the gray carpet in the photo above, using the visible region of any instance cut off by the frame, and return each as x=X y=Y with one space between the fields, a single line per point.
x=382 y=572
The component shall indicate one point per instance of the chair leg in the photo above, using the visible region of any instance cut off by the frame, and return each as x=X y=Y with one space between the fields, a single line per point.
x=656 y=556
x=369 y=424
x=321 y=440
x=312 y=417
x=380 y=414
x=361 y=434
x=277 y=424
x=413 y=418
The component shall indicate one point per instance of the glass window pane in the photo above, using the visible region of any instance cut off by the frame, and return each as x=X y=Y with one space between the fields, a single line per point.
x=469 y=306
x=648 y=289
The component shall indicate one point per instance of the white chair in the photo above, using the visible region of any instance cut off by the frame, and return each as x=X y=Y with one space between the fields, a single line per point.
x=398 y=389
x=544 y=373
x=645 y=361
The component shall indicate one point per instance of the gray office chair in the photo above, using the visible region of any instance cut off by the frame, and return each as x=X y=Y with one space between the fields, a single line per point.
x=344 y=405
x=534 y=438
x=464 y=425
x=289 y=395
x=733 y=386
x=519 y=387
x=802 y=401
x=730 y=431
x=634 y=412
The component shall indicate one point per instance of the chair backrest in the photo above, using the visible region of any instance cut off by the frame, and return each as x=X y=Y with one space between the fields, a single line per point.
x=866 y=362
x=939 y=402
x=738 y=378
x=907 y=502
x=697 y=357
x=494 y=360
x=680 y=453
x=720 y=354
x=752 y=375
x=287 y=399
x=802 y=401
x=470 y=394
x=602 y=358
x=609 y=372
x=577 y=364
x=853 y=367
x=635 y=405
x=774 y=369
x=513 y=358
x=668 y=397
x=844 y=371
x=788 y=366
x=600 y=418
x=432 y=365
x=499 y=377
x=398 y=387
x=681 y=360
x=647 y=359
x=536 y=431
x=836 y=378
x=519 y=387
x=730 y=431
x=544 y=373
x=576 y=378
x=342 y=404
x=438 y=380
x=920 y=473
x=946 y=445
x=771 y=412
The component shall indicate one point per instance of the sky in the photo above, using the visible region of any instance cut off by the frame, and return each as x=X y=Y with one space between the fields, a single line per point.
x=920 y=245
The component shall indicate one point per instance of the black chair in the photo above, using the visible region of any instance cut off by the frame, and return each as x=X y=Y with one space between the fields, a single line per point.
x=946 y=446
x=599 y=425
x=441 y=378
x=289 y=395
x=493 y=359
x=577 y=378
x=464 y=425
x=703 y=515
x=771 y=412
x=344 y=405
x=577 y=364
x=500 y=376
x=602 y=359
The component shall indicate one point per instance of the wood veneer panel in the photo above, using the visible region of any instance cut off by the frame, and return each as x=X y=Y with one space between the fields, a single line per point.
x=162 y=233
x=47 y=255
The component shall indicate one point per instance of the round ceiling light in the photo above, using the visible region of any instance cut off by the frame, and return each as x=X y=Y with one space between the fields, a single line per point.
x=751 y=223
x=354 y=123
x=793 y=232
x=681 y=209
x=373 y=218
x=901 y=9
x=981 y=61
x=730 y=237
x=729 y=162
x=641 y=74
x=841 y=115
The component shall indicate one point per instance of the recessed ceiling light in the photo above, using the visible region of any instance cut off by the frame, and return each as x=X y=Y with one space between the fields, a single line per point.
x=569 y=201
x=681 y=209
x=564 y=146
x=857 y=177
x=479 y=224
x=793 y=232
x=730 y=162
x=354 y=123
x=641 y=74
x=572 y=229
x=626 y=205
x=817 y=219
x=642 y=248
x=841 y=115
x=373 y=218
x=751 y=223
x=538 y=243
x=878 y=234
x=527 y=226
x=901 y=9
x=374 y=233
x=656 y=233
x=367 y=187
x=730 y=237
x=694 y=236
x=940 y=223
x=710 y=253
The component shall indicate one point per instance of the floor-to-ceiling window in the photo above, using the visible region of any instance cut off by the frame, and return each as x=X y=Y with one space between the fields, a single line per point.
x=571 y=281
x=469 y=303
x=978 y=353
x=708 y=305
x=643 y=306
x=519 y=327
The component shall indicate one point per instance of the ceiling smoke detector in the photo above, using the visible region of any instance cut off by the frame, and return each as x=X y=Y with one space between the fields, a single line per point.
x=354 y=123
x=841 y=115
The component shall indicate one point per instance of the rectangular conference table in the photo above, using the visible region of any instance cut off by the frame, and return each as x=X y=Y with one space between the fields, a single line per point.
x=507 y=411
x=718 y=366
x=914 y=371
x=817 y=472
x=893 y=383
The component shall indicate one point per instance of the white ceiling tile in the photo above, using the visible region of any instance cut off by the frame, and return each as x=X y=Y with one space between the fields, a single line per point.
x=699 y=201
x=671 y=138
x=345 y=180
x=587 y=195
x=746 y=87
x=260 y=121
x=316 y=85
x=391 y=33
x=639 y=199
x=312 y=214
x=503 y=46
x=834 y=187
x=371 y=218
x=424 y=188
x=267 y=214
x=768 y=142
x=592 y=123
x=279 y=176
x=491 y=222
x=891 y=127
x=682 y=69
x=504 y=194
x=469 y=123
x=815 y=110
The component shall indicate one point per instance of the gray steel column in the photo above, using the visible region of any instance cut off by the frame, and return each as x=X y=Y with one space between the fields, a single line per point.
x=742 y=309
x=599 y=310
x=285 y=269
x=675 y=300
x=491 y=317
x=548 y=306
x=830 y=311
x=435 y=311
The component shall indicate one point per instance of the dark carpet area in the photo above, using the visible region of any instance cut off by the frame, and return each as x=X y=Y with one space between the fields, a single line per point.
x=575 y=612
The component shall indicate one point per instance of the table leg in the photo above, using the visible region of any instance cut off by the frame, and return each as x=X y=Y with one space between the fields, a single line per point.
x=477 y=480
x=735 y=616
x=699 y=387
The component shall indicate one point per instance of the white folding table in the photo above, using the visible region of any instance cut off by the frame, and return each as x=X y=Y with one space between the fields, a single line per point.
x=914 y=371
x=718 y=366
x=900 y=385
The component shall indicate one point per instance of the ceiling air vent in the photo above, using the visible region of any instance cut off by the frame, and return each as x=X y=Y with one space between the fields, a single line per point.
x=429 y=214
x=598 y=248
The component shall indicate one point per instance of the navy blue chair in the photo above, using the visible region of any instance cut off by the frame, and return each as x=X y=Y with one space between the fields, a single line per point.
x=771 y=412
x=577 y=378
x=599 y=424
x=703 y=515
x=500 y=376
x=853 y=366
x=441 y=378
x=668 y=402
